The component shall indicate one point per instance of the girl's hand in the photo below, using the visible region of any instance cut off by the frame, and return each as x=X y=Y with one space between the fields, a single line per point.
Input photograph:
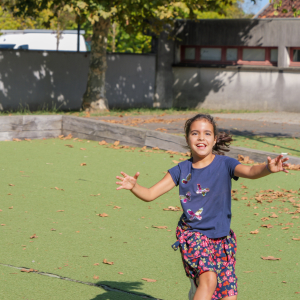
x=127 y=182
x=277 y=164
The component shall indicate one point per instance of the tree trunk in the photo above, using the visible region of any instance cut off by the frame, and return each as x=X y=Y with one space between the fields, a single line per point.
x=94 y=97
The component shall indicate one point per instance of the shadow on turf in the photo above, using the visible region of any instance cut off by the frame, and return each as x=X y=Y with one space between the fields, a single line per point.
x=126 y=290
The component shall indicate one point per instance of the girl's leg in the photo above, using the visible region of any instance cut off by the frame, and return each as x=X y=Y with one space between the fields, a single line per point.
x=206 y=286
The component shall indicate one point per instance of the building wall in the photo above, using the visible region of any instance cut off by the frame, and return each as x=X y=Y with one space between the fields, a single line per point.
x=45 y=80
x=233 y=88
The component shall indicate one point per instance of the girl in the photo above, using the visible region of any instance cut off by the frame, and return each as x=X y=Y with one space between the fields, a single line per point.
x=206 y=242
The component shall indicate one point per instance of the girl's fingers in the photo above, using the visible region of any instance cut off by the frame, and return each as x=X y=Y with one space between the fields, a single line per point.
x=119 y=188
x=120 y=178
x=124 y=174
x=119 y=183
x=137 y=174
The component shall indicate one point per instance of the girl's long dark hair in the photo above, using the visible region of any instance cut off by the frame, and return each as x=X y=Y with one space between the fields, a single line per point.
x=223 y=139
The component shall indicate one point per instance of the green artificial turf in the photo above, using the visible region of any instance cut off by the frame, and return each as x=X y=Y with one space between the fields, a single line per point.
x=72 y=240
x=277 y=145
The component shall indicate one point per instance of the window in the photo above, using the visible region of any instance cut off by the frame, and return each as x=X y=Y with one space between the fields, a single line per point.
x=296 y=55
x=274 y=55
x=263 y=56
x=210 y=54
x=7 y=46
x=190 y=53
x=231 y=54
x=25 y=47
x=254 y=54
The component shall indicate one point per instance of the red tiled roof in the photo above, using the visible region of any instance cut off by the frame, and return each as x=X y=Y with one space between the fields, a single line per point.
x=284 y=11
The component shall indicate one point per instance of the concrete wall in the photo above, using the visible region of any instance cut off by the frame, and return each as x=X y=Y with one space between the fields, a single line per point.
x=233 y=88
x=43 y=80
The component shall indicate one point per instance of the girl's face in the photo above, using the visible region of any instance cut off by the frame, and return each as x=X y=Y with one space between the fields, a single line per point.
x=201 y=138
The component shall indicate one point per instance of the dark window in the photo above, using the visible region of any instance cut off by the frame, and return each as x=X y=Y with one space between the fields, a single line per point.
x=7 y=46
x=23 y=47
x=296 y=55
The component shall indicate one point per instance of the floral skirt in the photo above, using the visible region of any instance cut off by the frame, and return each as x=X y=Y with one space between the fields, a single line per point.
x=201 y=254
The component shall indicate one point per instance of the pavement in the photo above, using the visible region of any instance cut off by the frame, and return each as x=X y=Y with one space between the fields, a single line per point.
x=271 y=124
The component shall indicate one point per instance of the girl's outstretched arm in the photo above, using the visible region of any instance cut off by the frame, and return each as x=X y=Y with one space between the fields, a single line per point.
x=130 y=183
x=253 y=172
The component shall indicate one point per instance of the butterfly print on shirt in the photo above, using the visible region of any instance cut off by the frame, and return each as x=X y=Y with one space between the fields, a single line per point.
x=196 y=214
x=185 y=198
x=188 y=178
x=202 y=191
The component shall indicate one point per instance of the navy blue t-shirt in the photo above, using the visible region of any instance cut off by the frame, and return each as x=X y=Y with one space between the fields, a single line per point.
x=205 y=195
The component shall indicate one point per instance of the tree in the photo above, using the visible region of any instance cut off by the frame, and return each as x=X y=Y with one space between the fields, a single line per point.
x=132 y=16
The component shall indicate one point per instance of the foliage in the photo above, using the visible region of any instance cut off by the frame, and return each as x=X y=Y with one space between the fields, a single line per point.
x=277 y=4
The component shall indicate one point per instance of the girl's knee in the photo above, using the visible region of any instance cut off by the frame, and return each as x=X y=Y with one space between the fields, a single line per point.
x=209 y=280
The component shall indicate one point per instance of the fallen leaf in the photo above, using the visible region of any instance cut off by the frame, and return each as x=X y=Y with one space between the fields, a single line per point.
x=160 y=227
x=267 y=225
x=11 y=207
x=27 y=270
x=52 y=229
x=256 y=231
x=61 y=210
x=3 y=224
x=70 y=146
x=284 y=228
x=58 y=189
x=117 y=207
x=256 y=214
x=83 y=164
x=103 y=143
x=155 y=148
x=96 y=264
x=11 y=184
x=294 y=239
x=175 y=161
x=16 y=140
x=295 y=217
x=28 y=140
x=102 y=215
x=95 y=277
x=172 y=208
x=82 y=148
x=284 y=282
x=116 y=143
x=120 y=273
x=273 y=215
x=244 y=198
x=149 y=280
x=107 y=262
x=34 y=236
x=270 y=258
x=68 y=137
x=265 y=219
x=9 y=194
x=248 y=271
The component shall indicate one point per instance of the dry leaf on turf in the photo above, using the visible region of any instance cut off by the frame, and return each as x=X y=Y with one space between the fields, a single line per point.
x=34 y=236
x=172 y=208
x=58 y=189
x=116 y=143
x=284 y=228
x=267 y=225
x=273 y=215
x=52 y=229
x=160 y=227
x=11 y=184
x=149 y=280
x=296 y=239
x=175 y=161
x=270 y=258
x=70 y=146
x=83 y=164
x=16 y=140
x=95 y=277
x=11 y=207
x=102 y=143
x=155 y=148
x=107 y=262
x=117 y=207
x=102 y=215
x=256 y=231
x=120 y=273
x=265 y=219
x=3 y=224
x=68 y=137
x=61 y=210
x=82 y=148
x=96 y=264
x=28 y=140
